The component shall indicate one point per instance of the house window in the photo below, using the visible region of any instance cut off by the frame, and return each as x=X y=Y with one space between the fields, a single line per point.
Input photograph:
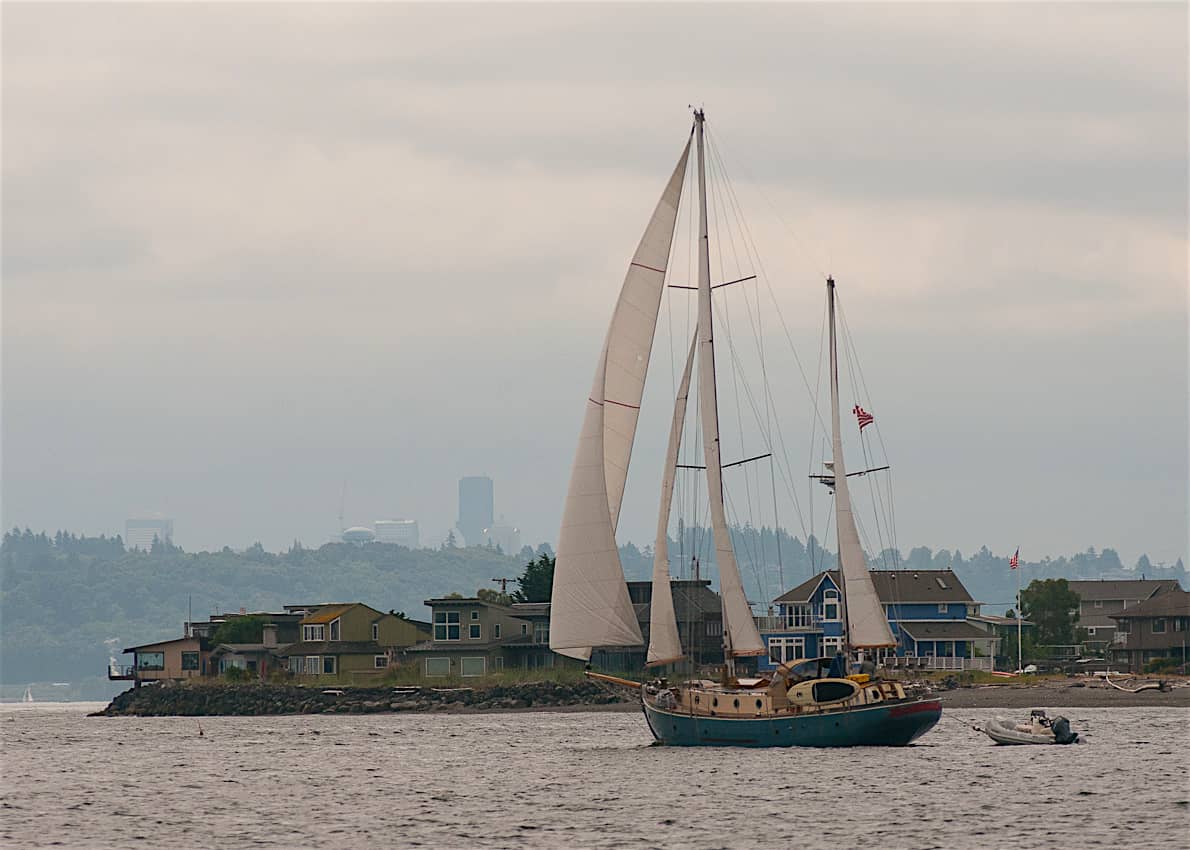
x=499 y=662
x=1124 y=626
x=437 y=666
x=375 y=631
x=1098 y=603
x=150 y=661
x=473 y=666
x=714 y=627
x=943 y=607
x=313 y=664
x=541 y=632
x=475 y=632
x=496 y=631
x=798 y=617
x=446 y=625
x=524 y=628
x=189 y=660
x=313 y=633
x=830 y=605
x=474 y=615
x=379 y=661
x=831 y=645
x=783 y=649
x=1090 y=631
x=295 y=664
x=334 y=629
x=1159 y=625
x=328 y=664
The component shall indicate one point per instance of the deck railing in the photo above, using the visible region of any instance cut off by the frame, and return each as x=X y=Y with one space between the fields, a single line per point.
x=788 y=624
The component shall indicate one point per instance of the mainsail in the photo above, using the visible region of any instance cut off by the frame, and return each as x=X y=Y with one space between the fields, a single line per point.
x=589 y=604
x=665 y=646
x=867 y=626
x=739 y=629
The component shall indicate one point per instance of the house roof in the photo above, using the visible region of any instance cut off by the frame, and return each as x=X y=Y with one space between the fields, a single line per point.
x=232 y=648
x=163 y=643
x=998 y=621
x=956 y=630
x=1173 y=603
x=895 y=587
x=330 y=612
x=1111 y=589
x=333 y=647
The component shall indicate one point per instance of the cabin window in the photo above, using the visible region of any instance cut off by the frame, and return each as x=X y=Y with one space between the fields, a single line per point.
x=475 y=632
x=437 y=666
x=328 y=665
x=831 y=691
x=334 y=629
x=189 y=660
x=1159 y=626
x=313 y=633
x=379 y=661
x=446 y=625
x=830 y=605
x=473 y=666
x=150 y=661
x=943 y=607
x=375 y=631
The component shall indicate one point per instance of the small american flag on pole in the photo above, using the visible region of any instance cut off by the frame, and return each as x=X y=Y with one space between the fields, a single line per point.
x=864 y=417
x=1015 y=561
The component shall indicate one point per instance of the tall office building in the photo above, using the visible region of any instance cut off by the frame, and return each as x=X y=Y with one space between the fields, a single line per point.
x=475 y=507
x=140 y=531
x=403 y=532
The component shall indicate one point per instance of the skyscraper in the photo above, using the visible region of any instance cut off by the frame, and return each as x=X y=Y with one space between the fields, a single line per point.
x=475 y=507
x=139 y=532
x=403 y=532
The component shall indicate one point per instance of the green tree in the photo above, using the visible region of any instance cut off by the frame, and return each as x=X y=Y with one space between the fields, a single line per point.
x=493 y=597
x=1053 y=607
x=240 y=630
x=537 y=582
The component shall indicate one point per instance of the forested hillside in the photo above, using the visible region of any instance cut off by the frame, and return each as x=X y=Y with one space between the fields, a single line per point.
x=62 y=597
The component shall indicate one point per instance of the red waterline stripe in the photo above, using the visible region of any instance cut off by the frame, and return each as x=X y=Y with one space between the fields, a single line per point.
x=650 y=268
x=901 y=710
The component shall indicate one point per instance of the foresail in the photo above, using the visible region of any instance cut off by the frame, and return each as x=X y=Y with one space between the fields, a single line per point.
x=742 y=638
x=630 y=338
x=665 y=646
x=867 y=625
x=589 y=603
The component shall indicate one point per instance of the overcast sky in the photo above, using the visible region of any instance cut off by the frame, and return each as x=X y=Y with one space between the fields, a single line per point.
x=251 y=253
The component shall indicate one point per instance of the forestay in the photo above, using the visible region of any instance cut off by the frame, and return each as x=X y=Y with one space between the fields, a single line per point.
x=589 y=604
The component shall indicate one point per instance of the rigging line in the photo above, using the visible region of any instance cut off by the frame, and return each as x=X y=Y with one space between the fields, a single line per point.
x=768 y=285
x=748 y=549
x=797 y=242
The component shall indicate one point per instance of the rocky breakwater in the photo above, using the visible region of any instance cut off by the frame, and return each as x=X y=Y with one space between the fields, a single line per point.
x=205 y=700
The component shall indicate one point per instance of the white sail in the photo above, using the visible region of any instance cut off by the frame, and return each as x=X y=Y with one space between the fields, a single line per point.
x=589 y=603
x=665 y=647
x=739 y=629
x=867 y=625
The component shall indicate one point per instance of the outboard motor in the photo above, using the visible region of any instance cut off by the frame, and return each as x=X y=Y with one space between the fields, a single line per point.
x=1062 y=733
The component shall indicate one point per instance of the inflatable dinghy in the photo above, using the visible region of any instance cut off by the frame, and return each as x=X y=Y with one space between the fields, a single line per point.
x=1040 y=729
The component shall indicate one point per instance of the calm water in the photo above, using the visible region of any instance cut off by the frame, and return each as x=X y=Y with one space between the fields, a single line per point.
x=574 y=780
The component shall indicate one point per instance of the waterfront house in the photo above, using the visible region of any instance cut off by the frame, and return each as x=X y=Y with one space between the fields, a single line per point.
x=926 y=609
x=168 y=660
x=1004 y=629
x=348 y=638
x=1099 y=601
x=1158 y=627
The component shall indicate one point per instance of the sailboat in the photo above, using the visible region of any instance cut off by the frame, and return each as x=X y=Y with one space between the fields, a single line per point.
x=807 y=703
x=28 y=697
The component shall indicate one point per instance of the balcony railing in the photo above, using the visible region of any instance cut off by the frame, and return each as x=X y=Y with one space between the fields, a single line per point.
x=788 y=624
x=937 y=662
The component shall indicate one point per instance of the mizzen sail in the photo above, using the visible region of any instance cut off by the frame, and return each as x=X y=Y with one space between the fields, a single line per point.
x=589 y=604
x=867 y=625
x=665 y=646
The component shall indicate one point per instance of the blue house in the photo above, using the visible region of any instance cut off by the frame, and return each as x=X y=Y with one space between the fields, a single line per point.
x=926 y=609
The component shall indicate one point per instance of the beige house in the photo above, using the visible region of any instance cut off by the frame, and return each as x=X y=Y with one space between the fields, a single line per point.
x=176 y=660
x=1100 y=601
x=348 y=639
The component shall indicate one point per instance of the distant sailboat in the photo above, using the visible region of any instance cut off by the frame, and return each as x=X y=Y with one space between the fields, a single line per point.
x=802 y=704
x=28 y=697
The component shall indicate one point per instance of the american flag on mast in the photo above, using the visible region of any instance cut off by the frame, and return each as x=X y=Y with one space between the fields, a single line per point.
x=1015 y=561
x=864 y=417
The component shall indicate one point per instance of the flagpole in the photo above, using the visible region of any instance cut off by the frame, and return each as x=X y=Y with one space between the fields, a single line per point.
x=1020 y=666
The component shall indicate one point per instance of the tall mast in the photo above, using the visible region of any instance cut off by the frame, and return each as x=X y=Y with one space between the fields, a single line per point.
x=864 y=621
x=740 y=636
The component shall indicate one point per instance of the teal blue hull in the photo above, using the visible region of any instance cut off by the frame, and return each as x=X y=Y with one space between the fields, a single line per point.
x=890 y=725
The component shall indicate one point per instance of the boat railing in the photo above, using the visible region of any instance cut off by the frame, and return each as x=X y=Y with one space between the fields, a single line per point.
x=937 y=662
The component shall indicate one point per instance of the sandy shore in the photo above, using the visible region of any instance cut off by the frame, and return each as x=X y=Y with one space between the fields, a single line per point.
x=1060 y=693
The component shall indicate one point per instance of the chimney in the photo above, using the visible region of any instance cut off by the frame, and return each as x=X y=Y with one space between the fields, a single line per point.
x=270 y=635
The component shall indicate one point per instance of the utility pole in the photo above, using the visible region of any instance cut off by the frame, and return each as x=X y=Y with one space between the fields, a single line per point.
x=503 y=582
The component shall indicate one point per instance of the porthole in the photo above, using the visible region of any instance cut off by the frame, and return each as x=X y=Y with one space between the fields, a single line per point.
x=759 y=704
x=735 y=703
x=696 y=699
x=715 y=701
